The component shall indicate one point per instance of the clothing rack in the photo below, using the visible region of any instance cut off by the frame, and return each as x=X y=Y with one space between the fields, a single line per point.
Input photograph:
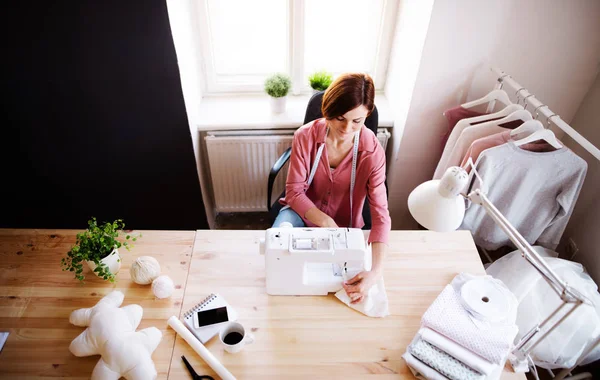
x=538 y=107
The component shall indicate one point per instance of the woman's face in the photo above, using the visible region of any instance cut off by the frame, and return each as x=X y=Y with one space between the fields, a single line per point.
x=343 y=127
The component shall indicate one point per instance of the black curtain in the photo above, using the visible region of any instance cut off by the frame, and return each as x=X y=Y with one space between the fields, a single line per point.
x=95 y=122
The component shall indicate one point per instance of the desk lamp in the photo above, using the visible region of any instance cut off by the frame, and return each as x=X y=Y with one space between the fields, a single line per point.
x=439 y=205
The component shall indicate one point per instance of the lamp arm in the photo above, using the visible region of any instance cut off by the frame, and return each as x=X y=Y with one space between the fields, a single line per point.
x=530 y=340
x=478 y=196
x=474 y=171
x=564 y=291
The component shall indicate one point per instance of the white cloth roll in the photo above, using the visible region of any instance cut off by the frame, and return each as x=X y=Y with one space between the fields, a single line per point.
x=204 y=353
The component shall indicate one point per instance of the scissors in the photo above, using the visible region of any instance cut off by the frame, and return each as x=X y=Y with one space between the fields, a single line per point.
x=195 y=376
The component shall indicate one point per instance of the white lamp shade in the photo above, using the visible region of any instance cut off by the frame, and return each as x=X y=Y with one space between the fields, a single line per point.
x=434 y=211
x=437 y=205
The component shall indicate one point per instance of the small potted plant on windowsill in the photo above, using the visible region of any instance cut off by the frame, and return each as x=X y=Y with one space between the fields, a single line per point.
x=320 y=81
x=277 y=87
x=98 y=247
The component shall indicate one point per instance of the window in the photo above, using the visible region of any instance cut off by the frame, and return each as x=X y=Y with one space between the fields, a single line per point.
x=245 y=41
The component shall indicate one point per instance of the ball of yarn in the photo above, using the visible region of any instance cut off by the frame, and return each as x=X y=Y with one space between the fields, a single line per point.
x=144 y=270
x=163 y=286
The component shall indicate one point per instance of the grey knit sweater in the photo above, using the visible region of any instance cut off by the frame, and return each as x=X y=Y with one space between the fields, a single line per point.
x=536 y=192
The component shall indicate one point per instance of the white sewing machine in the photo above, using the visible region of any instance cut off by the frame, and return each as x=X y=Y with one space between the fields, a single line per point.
x=312 y=261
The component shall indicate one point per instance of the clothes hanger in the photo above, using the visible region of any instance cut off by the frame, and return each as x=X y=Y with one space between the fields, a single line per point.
x=545 y=134
x=498 y=95
x=527 y=128
x=497 y=115
x=517 y=115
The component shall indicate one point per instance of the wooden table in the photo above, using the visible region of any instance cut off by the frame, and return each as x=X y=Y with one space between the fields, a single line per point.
x=37 y=297
x=296 y=337
x=319 y=337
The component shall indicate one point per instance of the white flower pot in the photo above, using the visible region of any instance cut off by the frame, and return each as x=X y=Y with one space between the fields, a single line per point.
x=112 y=261
x=278 y=104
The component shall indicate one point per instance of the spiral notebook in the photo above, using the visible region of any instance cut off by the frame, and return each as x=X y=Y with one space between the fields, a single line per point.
x=211 y=302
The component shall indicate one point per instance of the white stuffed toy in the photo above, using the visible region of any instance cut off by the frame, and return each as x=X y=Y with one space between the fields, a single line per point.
x=111 y=333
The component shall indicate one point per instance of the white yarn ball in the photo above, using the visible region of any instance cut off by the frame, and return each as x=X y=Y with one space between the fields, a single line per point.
x=163 y=286
x=144 y=270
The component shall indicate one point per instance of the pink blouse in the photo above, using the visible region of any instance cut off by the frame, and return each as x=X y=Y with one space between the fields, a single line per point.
x=330 y=189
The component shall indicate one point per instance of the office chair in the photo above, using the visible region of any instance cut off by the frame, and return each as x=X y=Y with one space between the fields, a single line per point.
x=313 y=112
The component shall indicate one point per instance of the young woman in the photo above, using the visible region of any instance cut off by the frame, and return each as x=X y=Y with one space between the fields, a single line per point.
x=325 y=154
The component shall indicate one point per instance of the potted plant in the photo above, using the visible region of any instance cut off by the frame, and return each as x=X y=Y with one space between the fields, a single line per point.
x=98 y=247
x=277 y=87
x=320 y=80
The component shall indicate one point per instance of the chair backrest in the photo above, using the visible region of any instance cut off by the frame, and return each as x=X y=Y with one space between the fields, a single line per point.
x=313 y=112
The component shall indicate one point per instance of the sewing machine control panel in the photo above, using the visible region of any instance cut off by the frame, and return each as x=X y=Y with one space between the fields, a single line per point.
x=310 y=240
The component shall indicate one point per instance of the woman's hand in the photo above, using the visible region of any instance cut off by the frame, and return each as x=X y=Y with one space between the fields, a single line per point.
x=358 y=286
x=328 y=223
x=319 y=218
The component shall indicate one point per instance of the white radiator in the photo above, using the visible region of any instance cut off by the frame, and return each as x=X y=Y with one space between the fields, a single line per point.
x=383 y=135
x=240 y=163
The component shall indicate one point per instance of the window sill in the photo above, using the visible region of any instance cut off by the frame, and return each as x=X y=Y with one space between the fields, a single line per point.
x=254 y=112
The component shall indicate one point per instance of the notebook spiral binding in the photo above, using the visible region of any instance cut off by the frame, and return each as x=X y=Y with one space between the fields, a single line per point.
x=200 y=305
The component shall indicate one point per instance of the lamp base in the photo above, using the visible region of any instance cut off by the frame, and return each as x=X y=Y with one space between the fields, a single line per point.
x=519 y=366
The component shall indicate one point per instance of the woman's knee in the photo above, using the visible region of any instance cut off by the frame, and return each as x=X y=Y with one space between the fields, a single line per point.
x=290 y=216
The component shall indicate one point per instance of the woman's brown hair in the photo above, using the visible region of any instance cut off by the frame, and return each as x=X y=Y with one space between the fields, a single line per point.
x=346 y=93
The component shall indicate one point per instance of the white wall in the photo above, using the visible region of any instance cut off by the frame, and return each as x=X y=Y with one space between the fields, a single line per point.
x=584 y=225
x=552 y=47
x=187 y=46
x=410 y=32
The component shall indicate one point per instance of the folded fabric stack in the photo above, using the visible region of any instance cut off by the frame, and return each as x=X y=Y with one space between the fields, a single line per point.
x=465 y=334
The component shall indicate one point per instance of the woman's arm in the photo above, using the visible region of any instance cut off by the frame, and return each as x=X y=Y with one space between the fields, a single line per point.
x=319 y=218
x=379 y=251
x=358 y=287
x=297 y=178
x=377 y=197
x=297 y=185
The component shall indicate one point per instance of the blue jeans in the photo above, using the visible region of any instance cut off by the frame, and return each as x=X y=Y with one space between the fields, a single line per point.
x=290 y=216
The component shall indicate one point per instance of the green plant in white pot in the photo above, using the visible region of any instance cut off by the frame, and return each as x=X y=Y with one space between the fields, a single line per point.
x=277 y=87
x=98 y=247
x=320 y=80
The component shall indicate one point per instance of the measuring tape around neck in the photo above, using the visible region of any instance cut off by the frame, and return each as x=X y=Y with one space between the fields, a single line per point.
x=352 y=176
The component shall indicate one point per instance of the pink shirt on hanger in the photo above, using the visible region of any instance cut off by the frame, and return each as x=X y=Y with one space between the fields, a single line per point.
x=330 y=189
x=487 y=142
x=454 y=115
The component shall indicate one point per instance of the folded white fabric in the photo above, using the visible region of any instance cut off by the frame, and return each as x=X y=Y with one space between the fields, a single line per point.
x=447 y=316
x=375 y=303
x=457 y=351
x=442 y=362
x=420 y=369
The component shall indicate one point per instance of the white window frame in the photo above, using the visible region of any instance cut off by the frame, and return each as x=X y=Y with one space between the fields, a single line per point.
x=295 y=56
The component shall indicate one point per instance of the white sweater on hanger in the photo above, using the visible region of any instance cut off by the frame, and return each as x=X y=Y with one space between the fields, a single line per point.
x=536 y=192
